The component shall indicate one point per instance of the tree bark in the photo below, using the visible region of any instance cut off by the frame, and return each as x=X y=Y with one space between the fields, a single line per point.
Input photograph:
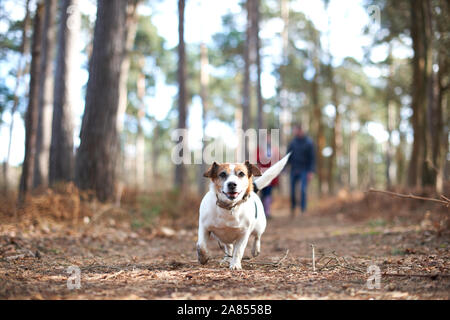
x=24 y=50
x=180 y=170
x=26 y=179
x=99 y=149
x=61 y=150
x=46 y=82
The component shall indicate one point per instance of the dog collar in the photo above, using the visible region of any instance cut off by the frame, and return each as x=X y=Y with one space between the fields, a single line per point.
x=230 y=207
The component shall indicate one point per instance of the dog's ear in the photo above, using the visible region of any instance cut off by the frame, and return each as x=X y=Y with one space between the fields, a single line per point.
x=252 y=169
x=212 y=171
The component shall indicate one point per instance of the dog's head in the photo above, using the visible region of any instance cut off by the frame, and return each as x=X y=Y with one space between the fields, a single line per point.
x=232 y=181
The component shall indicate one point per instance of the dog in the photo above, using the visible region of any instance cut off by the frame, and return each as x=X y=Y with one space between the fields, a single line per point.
x=231 y=211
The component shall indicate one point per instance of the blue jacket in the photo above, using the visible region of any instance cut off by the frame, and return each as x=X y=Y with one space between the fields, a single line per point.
x=303 y=155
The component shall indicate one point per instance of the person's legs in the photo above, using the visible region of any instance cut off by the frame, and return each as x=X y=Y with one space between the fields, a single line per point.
x=267 y=200
x=304 y=191
x=294 y=179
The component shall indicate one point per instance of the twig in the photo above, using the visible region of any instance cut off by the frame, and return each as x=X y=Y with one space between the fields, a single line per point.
x=313 y=258
x=19 y=256
x=329 y=260
x=338 y=263
x=264 y=263
x=445 y=202
x=351 y=268
x=284 y=257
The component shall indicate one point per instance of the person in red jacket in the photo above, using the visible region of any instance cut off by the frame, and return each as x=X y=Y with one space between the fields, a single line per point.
x=266 y=157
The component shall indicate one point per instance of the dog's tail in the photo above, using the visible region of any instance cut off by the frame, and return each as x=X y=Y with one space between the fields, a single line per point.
x=270 y=174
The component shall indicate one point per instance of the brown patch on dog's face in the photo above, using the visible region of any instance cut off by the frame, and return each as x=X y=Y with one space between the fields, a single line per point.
x=242 y=171
x=218 y=173
x=252 y=169
x=212 y=171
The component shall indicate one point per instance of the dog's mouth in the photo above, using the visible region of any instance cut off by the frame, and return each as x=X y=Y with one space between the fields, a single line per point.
x=231 y=195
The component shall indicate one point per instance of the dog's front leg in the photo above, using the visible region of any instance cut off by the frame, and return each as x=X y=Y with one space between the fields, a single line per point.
x=228 y=249
x=238 y=252
x=202 y=249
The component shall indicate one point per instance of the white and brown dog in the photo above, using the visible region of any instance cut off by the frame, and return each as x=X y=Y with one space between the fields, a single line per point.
x=231 y=211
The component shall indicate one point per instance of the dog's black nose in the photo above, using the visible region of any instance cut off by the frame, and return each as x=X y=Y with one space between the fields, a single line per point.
x=232 y=185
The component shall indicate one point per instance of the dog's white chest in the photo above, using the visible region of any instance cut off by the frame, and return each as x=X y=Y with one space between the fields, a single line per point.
x=227 y=226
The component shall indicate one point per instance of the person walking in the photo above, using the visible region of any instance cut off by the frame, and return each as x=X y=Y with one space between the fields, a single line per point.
x=302 y=166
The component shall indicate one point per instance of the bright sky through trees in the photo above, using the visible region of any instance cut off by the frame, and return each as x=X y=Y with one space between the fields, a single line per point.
x=204 y=18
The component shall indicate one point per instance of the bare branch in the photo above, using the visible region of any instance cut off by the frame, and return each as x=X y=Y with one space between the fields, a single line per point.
x=445 y=202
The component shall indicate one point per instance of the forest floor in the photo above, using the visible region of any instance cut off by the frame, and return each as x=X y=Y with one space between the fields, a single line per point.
x=119 y=261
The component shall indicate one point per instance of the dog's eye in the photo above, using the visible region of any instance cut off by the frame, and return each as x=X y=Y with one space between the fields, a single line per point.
x=241 y=174
x=223 y=175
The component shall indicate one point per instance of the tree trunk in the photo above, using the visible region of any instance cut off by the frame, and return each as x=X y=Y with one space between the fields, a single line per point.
x=441 y=143
x=45 y=107
x=334 y=161
x=353 y=156
x=155 y=153
x=336 y=135
x=418 y=96
x=180 y=170
x=99 y=149
x=204 y=89
x=130 y=29
x=390 y=164
x=429 y=166
x=26 y=179
x=318 y=123
x=246 y=84
x=130 y=33
x=400 y=158
x=61 y=150
x=257 y=45
x=390 y=119
x=24 y=50
x=284 y=117
x=140 y=137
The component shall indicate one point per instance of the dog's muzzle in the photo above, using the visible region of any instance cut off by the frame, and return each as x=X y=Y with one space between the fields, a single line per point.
x=231 y=195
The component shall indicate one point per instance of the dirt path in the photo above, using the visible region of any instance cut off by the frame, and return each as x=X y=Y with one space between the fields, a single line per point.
x=124 y=264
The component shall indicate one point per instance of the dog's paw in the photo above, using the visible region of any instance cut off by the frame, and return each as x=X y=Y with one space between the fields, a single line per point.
x=202 y=255
x=235 y=266
x=255 y=252
x=226 y=260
